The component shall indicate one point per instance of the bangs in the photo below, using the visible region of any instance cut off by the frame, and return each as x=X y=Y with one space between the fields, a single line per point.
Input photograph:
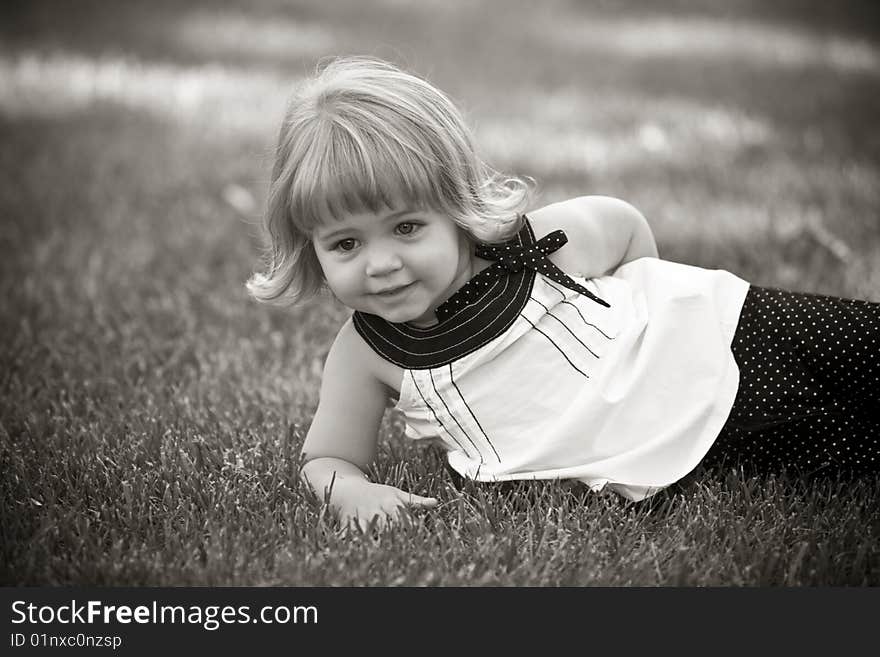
x=345 y=170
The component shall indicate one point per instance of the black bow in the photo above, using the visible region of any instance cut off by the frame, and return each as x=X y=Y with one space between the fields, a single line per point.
x=514 y=257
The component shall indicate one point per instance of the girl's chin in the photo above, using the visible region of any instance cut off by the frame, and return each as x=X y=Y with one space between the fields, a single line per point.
x=407 y=318
x=423 y=321
x=406 y=315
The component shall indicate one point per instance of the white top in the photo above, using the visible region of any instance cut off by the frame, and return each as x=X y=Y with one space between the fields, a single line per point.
x=622 y=381
x=630 y=397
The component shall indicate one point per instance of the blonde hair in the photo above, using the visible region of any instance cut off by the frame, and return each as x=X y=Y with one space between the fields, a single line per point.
x=361 y=135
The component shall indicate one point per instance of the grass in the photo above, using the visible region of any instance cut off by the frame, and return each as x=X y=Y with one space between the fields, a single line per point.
x=151 y=414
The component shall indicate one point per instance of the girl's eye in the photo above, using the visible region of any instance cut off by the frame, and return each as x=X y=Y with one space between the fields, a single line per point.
x=407 y=228
x=345 y=245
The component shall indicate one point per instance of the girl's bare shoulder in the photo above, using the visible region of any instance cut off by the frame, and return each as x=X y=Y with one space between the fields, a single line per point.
x=575 y=215
x=598 y=229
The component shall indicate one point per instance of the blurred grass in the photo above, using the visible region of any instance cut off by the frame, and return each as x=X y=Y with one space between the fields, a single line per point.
x=151 y=414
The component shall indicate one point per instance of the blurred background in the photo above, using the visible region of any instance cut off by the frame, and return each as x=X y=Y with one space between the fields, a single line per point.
x=137 y=140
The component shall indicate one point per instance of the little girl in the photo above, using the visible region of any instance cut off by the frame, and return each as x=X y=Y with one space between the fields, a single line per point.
x=548 y=345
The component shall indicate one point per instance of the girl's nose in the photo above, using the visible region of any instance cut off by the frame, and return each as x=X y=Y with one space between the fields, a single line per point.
x=381 y=262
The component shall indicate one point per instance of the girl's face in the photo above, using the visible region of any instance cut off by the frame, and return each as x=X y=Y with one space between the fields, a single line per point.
x=398 y=264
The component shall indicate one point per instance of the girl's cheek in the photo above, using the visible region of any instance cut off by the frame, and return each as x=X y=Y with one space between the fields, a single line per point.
x=341 y=275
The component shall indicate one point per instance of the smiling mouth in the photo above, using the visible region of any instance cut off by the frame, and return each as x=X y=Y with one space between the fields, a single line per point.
x=390 y=292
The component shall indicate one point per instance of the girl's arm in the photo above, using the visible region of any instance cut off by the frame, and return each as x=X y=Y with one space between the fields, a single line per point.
x=603 y=233
x=341 y=441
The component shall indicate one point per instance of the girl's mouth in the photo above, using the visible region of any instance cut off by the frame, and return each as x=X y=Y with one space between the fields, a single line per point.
x=393 y=291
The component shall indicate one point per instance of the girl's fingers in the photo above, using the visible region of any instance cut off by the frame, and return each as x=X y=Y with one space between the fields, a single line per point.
x=418 y=500
x=358 y=520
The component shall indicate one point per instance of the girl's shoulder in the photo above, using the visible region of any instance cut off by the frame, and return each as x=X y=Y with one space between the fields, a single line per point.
x=598 y=229
x=358 y=358
x=579 y=214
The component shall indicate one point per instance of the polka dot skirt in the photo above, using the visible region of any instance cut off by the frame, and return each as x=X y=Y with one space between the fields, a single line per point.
x=809 y=393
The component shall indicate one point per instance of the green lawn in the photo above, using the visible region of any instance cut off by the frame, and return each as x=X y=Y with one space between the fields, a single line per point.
x=151 y=413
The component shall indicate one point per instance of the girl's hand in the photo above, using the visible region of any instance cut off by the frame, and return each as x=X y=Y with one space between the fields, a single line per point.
x=357 y=502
